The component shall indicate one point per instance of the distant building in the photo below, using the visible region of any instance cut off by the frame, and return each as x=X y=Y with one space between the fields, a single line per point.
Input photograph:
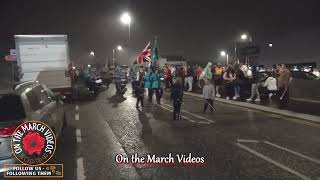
x=172 y=60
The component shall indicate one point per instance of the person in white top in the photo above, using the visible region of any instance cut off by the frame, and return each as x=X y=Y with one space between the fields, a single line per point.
x=271 y=85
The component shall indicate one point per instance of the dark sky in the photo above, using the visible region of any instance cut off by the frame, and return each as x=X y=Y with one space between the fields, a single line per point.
x=195 y=29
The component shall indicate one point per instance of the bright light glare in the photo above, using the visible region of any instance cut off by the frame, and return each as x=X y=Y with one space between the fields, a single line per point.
x=223 y=53
x=119 y=48
x=270 y=44
x=125 y=18
x=92 y=53
x=244 y=36
x=89 y=65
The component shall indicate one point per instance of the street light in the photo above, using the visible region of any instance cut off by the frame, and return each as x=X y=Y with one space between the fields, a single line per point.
x=270 y=44
x=126 y=19
x=92 y=53
x=223 y=54
x=119 y=48
x=244 y=36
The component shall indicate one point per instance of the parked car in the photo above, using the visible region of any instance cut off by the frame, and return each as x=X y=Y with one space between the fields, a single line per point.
x=303 y=75
x=27 y=101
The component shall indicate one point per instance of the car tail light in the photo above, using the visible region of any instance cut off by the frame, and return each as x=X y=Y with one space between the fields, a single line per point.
x=7 y=131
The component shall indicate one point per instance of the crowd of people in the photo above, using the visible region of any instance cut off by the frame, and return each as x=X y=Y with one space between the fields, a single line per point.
x=229 y=81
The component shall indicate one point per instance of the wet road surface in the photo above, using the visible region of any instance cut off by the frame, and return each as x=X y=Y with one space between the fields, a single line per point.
x=237 y=143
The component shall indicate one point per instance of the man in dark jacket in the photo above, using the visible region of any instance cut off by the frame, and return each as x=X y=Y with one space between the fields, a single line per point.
x=176 y=96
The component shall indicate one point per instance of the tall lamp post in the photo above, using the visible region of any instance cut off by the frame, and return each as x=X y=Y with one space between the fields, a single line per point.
x=243 y=37
x=225 y=54
x=126 y=19
x=119 y=48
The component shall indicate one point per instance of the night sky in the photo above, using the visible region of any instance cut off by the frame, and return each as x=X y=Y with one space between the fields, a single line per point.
x=194 y=29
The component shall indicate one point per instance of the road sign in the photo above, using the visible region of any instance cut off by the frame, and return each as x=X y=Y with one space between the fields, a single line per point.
x=10 y=58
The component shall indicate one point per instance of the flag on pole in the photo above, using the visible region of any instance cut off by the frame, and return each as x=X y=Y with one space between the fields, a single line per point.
x=145 y=55
x=155 y=54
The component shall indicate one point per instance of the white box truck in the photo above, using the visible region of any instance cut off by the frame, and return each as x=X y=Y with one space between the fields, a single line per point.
x=45 y=58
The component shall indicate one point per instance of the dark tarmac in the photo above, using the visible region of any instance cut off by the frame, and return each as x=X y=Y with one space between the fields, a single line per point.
x=237 y=143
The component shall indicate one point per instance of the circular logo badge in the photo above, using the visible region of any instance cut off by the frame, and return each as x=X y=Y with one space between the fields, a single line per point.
x=33 y=143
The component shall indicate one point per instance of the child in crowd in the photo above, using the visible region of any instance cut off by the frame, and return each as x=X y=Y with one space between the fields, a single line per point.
x=139 y=92
x=208 y=94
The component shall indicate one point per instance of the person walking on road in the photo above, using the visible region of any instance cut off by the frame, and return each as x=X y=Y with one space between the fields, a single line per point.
x=139 y=92
x=167 y=77
x=254 y=76
x=148 y=84
x=218 y=78
x=177 y=98
x=198 y=74
x=189 y=80
x=208 y=95
x=155 y=78
x=283 y=85
x=229 y=76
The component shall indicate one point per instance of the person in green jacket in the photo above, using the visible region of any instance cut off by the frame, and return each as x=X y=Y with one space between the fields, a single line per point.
x=156 y=77
x=148 y=84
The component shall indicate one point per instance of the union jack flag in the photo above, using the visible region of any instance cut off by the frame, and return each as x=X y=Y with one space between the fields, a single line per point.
x=145 y=55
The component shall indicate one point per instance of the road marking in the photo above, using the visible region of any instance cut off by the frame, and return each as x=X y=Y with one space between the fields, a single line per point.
x=280 y=116
x=293 y=152
x=273 y=161
x=195 y=115
x=248 y=140
x=77 y=107
x=188 y=119
x=80 y=169
x=78 y=135
x=203 y=122
x=306 y=100
x=77 y=117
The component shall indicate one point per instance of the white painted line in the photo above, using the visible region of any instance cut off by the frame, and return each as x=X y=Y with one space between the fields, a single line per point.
x=77 y=117
x=78 y=135
x=77 y=107
x=306 y=100
x=188 y=119
x=248 y=140
x=294 y=152
x=202 y=122
x=291 y=114
x=273 y=162
x=195 y=115
x=80 y=169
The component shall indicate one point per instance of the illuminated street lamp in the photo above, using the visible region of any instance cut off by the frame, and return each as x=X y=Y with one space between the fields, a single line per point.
x=119 y=48
x=270 y=44
x=244 y=36
x=126 y=19
x=225 y=54
x=91 y=53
